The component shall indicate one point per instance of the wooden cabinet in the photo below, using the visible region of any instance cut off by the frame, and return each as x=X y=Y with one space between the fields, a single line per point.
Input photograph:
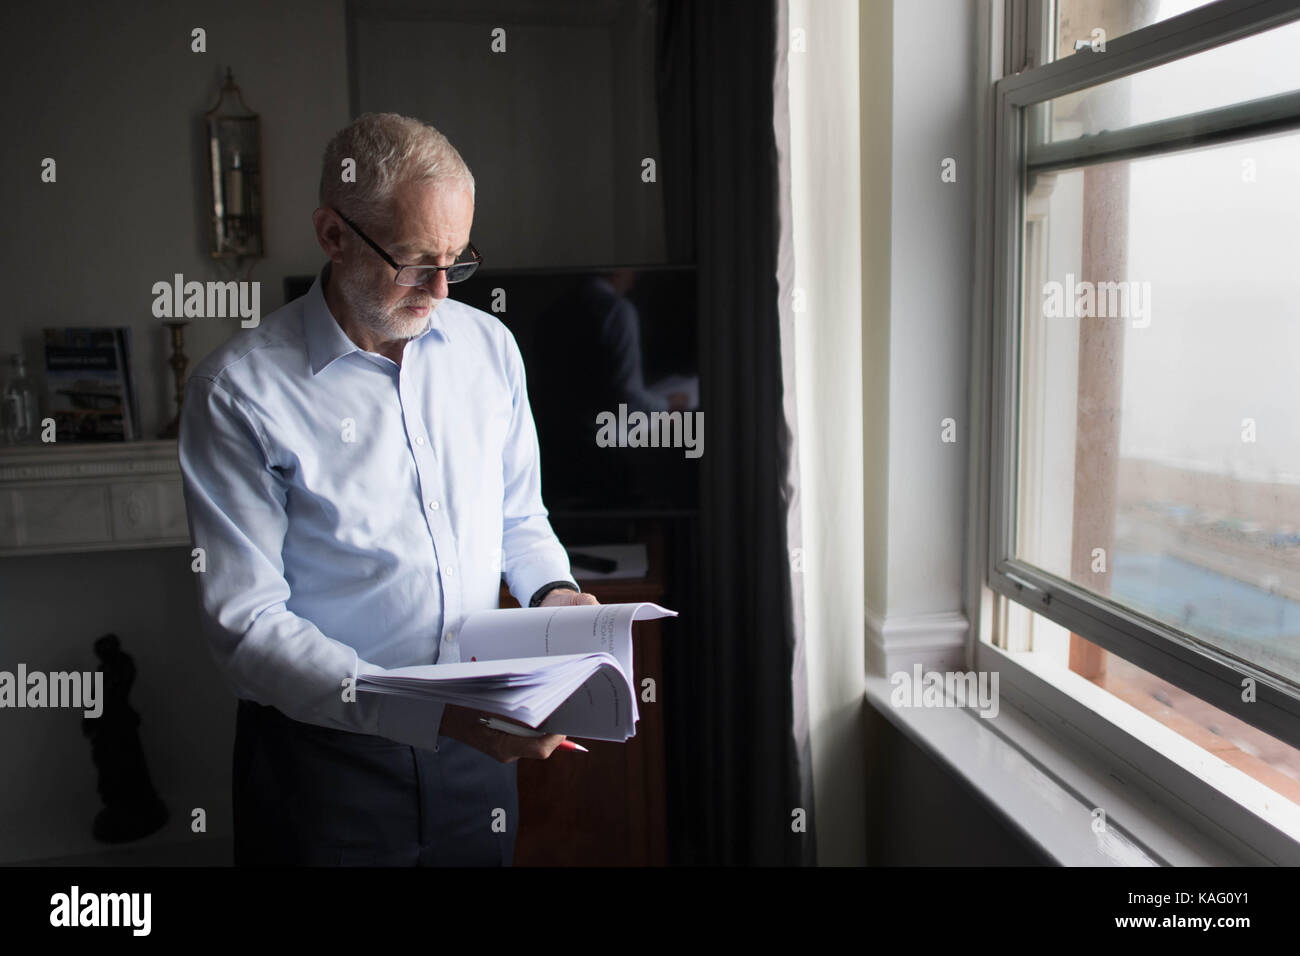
x=606 y=807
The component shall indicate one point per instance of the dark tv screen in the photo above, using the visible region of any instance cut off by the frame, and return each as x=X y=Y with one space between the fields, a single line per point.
x=600 y=346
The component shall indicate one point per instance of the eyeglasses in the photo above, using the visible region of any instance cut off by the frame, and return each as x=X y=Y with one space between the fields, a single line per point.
x=419 y=275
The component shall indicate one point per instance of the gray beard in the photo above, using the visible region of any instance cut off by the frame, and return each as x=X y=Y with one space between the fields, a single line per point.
x=380 y=319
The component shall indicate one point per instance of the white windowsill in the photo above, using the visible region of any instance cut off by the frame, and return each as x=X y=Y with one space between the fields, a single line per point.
x=1047 y=788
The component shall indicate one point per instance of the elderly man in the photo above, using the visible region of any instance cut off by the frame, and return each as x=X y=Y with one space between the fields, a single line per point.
x=360 y=471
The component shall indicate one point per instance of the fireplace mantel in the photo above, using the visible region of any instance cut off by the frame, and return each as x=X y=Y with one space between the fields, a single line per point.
x=90 y=496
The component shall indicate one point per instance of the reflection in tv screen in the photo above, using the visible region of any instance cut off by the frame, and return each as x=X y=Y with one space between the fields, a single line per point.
x=616 y=347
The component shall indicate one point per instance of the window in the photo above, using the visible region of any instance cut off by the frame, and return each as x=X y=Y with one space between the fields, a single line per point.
x=1144 y=480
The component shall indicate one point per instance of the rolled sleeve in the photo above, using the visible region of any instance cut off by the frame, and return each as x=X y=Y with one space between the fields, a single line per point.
x=236 y=508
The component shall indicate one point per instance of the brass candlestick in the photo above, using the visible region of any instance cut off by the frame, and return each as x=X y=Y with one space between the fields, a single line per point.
x=179 y=362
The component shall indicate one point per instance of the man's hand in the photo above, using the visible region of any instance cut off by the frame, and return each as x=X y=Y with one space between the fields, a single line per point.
x=462 y=724
x=562 y=596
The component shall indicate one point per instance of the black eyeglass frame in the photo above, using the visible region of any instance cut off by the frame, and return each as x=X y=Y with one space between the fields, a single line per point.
x=474 y=263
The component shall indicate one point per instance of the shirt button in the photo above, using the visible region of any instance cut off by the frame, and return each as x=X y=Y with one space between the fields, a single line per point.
x=449 y=570
x=448 y=637
x=433 y=506
x=419 y=439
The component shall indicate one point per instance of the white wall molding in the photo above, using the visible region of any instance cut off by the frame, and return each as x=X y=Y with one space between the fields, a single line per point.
x=936 y=641
x=72 y=461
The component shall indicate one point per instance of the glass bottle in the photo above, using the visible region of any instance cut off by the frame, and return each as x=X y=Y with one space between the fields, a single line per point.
x=18 y=412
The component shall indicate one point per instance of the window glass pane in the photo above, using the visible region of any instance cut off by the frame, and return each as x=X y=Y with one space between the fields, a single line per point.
x=1262 y=65
x=1159 y=443
x=1077 y=19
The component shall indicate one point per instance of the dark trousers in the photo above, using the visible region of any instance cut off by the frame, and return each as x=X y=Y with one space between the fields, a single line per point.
x=306 y=795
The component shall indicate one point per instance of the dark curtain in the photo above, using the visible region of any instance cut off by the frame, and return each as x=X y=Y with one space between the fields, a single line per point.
x=734 y=782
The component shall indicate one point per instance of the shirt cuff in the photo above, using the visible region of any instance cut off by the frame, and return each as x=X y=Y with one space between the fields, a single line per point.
x=528 y=576
x=412 y=721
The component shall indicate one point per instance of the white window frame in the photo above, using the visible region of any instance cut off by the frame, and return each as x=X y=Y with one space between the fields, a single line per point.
x=1021 y=30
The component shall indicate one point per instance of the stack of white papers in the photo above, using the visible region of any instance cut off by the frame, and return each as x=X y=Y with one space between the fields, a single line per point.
x=563 y=670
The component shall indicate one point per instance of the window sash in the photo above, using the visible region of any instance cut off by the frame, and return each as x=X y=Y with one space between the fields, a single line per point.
x=1178 y=658
x=1268 y=114
x=1201 y=29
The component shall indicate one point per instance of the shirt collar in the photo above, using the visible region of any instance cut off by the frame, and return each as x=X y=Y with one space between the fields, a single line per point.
x=326 y=340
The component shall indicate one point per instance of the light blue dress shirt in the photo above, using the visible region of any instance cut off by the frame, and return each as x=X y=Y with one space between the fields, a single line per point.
x=352 y=511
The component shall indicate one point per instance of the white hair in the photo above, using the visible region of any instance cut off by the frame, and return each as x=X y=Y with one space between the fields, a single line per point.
x=389 y=150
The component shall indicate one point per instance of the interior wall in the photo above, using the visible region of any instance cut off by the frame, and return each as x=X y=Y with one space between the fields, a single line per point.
x=931 y=276
x=555 y=125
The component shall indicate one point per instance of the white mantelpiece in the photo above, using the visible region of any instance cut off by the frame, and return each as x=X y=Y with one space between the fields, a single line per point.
x=60 y=499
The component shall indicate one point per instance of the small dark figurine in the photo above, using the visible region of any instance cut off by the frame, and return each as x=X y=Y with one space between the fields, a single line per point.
x=132 y=808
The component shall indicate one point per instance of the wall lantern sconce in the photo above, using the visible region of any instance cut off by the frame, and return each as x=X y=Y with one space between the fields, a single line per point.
x=234 y=135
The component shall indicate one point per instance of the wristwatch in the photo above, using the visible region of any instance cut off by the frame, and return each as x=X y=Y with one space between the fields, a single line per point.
x=546 y=589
